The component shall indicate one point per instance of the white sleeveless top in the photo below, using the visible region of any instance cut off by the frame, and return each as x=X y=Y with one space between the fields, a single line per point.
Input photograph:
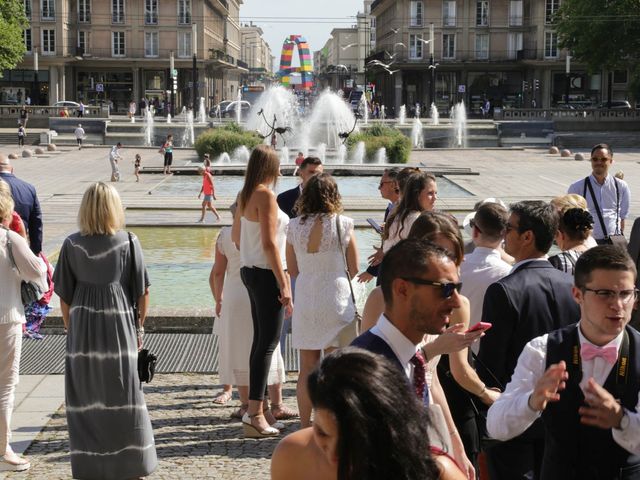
x=251 y=251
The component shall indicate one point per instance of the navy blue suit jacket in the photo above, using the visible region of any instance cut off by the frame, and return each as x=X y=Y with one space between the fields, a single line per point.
x=287 y=199
x=533 y=300
x=28 y=207
x=374 y=343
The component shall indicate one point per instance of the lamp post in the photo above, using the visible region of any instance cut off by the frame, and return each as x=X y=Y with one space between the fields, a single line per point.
x=172 y=67
x=567 y=82
x=432 y=67
x=194 y=70
x=36 y=90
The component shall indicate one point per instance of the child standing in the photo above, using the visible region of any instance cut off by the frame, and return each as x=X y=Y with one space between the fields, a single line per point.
x=136 y=167
x=209 y=194
x=22 y=133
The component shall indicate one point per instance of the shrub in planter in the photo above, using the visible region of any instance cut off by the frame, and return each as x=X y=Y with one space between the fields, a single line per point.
x=398 y=146
x=215 y=141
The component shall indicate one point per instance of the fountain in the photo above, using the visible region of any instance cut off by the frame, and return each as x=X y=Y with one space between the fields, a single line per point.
x=417 y=135
x=359 y=153
x=284 y=155
x=435 y=116
x=418 y=109
x=364 y=109
x=188 y=136
x=330 y=116
x=240 y=155
x=278 y=102
x=342 y=154
x=133 y=119
x=403 y=115
x=239 y=107
x=168 y=118
x=321 y=152
x=202 y=113
x=383 y=113
x=459 y=120
x=381 y=156
x=223 y=159
x=148 y=128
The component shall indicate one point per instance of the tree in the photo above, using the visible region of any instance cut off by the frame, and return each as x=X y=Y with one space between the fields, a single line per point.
x=603 y=34
x=12 y=23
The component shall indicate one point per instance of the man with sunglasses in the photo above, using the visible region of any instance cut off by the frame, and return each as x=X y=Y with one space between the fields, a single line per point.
x=607 y=197
x=534 y=299
x=583 y=380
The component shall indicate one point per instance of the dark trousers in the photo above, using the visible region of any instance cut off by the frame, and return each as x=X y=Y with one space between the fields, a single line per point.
x=268 y=314
x=516 y=459
x=21 y=141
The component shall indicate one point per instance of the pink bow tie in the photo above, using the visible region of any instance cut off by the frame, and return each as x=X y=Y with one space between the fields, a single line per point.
x=589 y=352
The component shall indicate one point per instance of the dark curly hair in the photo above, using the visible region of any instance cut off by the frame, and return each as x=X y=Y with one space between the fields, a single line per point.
x=409 y=202
x=319 y=195
x=382 y=428
x=576 y=223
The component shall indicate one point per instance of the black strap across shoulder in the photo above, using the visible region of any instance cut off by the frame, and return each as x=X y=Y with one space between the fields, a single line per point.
x=587 y=184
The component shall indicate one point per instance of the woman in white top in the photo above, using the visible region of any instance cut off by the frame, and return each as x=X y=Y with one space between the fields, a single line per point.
x=27 y=267
x=260 y=229
x=315 y=257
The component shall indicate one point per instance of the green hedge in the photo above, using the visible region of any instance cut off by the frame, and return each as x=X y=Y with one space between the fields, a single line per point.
x=397 y=145
x=215 y=141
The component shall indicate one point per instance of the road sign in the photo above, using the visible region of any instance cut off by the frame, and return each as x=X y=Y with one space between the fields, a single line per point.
x=99 y=87
x=174 y=72
x=462 y=88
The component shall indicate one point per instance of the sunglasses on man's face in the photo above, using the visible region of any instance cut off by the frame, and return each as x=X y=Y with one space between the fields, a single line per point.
x=446 y=289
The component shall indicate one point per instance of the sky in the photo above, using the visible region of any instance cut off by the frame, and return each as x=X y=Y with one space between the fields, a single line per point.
x=314 y=19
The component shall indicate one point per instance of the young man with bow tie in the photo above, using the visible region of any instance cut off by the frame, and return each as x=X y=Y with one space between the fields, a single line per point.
x=583 y=380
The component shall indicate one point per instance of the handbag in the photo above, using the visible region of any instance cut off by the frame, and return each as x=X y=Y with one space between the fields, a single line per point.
x=29 y=291
x=146 y=360
x=352 y=329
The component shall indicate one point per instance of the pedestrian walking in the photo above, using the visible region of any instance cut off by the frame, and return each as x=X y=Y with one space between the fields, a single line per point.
x=209 y=194
x=136 y=166
x=132 y=109
x=79 y=133
x=114 y=156
x=81 y=110
x=22 y=133
x=24 y=116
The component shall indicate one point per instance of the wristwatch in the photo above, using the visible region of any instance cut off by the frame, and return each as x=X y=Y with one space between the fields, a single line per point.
x=624 y=421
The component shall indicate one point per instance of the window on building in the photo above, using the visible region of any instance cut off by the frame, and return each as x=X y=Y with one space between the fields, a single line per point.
x=84 y=11
x=117 y=11
x=415 y=14
x=514 y=44
x=150 y=44
x=415 y=47
x=184 y=11
x=151 y=12
x=482 y=13
x=27 y=8
x=48 y=41
x=620 y=76
x=449 y=13
x=26 y=35
x=83 y=42
x=515 y=13
x=550 y=45
x=482 y=46
x=184 y=44
x=550 y=10
x=449 y=45
x=48 y=9
x=117 y=44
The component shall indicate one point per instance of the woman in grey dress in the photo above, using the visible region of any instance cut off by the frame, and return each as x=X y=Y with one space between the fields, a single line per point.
x=110 y=435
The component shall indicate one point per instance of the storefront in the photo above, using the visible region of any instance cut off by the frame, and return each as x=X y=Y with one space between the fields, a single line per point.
x=114 y=87
x=17 y=85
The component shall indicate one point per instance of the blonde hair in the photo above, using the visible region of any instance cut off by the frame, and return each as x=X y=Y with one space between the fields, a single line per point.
x=101 y=211
x=563 y=203
x=6 y=201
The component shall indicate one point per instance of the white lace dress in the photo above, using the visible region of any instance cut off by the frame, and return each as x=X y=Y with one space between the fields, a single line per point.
x=323 y=304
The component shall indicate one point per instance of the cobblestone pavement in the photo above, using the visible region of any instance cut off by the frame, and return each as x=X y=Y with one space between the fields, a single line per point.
x=194 y=438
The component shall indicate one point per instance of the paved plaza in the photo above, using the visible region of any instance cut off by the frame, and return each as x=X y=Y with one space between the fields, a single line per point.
x=196 y=439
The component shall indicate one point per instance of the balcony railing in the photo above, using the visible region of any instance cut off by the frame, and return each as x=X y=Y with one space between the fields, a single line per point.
x=466 y=55
x=220 y=55
x=242 y=64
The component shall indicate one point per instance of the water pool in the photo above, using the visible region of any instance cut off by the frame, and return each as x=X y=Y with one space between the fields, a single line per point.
x=179 y=261
x=230 y=185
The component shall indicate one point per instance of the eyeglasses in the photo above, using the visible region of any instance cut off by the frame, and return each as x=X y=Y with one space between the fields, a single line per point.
x=612 y=295
x=473 y=224
x=446 y=289
x=599 y=159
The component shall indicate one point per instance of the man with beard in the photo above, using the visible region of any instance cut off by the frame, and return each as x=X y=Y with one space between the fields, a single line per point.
x=534 y=299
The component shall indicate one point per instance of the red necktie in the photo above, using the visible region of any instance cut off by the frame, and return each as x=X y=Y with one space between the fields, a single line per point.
x=589 y=352
x=419 y=372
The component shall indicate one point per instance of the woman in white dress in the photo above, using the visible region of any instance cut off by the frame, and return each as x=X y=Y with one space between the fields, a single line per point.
x=323 y=305
x=234 y=328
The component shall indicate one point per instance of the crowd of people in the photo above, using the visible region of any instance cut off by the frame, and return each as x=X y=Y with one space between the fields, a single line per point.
x=493 y=359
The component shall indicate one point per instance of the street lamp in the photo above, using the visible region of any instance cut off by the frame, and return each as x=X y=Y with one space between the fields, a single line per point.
x=194 y=70
x=432 y=67
x=172 y=78
x=567 y=83
x=36 y=90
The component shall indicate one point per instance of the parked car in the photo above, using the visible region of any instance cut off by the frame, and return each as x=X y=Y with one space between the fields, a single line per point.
x=616 y=105
x=230 y=110
x=66 y=103
x=219 y=108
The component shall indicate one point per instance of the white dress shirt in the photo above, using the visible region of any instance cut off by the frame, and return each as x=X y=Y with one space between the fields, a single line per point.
x=402 y=347
x=607 y=201
x=527 y=260
x=511 y=415
x=480 y=268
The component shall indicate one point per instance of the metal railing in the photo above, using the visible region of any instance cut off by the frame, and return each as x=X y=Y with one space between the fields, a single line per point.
x=39 y=111
x=560 y=114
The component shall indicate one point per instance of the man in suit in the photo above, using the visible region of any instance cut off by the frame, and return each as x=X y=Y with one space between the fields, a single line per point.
x=583 y=379
x=534 y=299
x=26 y=204
x=309 y=167
x=420 y=286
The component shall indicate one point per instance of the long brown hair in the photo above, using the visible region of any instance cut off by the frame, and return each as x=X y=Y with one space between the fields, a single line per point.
x=263 y=167
x=320 y=195
x=430 y=224
x=409 y=202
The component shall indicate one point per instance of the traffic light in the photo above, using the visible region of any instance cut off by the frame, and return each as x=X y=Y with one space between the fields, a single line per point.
x=525 y=85
x=536 y=84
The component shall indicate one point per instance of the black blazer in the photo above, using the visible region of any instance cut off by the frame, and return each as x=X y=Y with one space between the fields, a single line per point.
x=634 y=251
x=374 y=343
x=28 y=207
x=531 y=301
x=287 y=199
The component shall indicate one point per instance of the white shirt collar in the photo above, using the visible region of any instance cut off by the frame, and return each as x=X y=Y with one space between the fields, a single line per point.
x=594 y=180
x=527 y=260
x=403 y=348
x=615 y=342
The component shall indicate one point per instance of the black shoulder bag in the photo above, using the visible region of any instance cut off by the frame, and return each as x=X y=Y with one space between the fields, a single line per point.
x=146 y=359
x=616 y=238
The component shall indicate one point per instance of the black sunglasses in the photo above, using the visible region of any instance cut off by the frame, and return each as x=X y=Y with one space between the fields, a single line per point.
x=446 y=289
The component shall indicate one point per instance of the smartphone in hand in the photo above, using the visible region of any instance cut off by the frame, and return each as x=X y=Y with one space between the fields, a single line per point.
x=480 y=326
x=374 y=225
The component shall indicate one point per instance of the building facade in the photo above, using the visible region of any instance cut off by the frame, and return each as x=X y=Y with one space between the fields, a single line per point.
x=257 y=55
x=119 y=50
x=504 y=51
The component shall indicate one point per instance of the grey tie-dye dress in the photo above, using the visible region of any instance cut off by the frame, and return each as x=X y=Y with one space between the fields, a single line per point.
x=110 y=434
